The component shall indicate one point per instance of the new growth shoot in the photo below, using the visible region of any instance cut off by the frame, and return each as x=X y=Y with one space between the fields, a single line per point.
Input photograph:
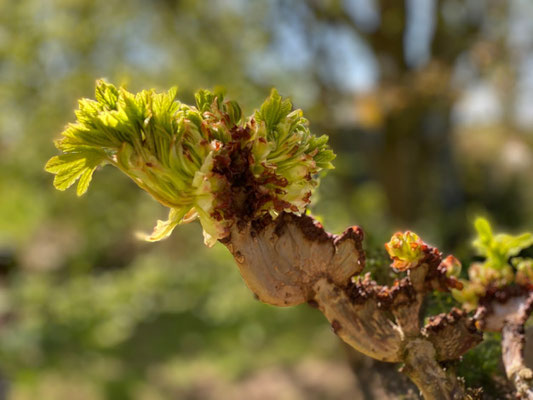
x=205 y=162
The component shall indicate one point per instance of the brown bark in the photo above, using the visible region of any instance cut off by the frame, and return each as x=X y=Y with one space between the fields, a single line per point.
x=422 y=367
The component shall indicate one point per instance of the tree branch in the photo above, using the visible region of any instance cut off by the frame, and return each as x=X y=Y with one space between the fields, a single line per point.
x=422 y=368
x=292 y=259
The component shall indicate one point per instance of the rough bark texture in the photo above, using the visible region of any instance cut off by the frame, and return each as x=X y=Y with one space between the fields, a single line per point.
x=451 y=334
x=281 y=260
x=433 y=381
x=291 y=260
x=362 y=326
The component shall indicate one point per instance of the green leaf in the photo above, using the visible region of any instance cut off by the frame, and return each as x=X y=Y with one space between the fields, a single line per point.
x=234 y=111
x=163 y=229
x=106 y=94
x=164 y=105
x=485 y=237
x=273 y=110
x=73 y=166
x=204 y=100
x=324 y=158
x=483 y=229
x=85 y=179
x=499 y=248
x=512 y=245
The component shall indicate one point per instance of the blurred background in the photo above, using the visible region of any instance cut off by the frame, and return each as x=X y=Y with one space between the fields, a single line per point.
x=427 y=104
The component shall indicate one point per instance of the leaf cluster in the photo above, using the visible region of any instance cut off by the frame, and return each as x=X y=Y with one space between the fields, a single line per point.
x=204 y=161
x=500 y=268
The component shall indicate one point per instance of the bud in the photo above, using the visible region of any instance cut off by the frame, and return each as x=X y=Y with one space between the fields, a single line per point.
x=469 y=295
x=483 y=274
x=204 y=161
x=406 y=250
x=452 y=266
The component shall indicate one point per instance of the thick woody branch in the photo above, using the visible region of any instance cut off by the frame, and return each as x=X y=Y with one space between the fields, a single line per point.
x=362 y=325
x=292 y=260
x=452 y=334
x=424 y=370
x=281 y=260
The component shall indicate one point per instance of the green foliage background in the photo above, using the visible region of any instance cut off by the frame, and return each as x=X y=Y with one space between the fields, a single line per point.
x=88 y=312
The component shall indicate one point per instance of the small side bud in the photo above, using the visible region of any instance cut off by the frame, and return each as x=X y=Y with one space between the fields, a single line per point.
x=469 y=295
x=406 y=250
x=452 y=266
x=483 y=274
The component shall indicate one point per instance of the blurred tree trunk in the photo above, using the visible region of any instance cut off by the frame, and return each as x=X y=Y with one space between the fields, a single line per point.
x=415 y=103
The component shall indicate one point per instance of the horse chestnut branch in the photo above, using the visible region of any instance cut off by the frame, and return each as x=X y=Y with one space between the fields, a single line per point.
x=249 y=182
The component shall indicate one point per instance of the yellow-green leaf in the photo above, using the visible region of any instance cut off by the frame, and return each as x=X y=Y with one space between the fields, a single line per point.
x=163 y=229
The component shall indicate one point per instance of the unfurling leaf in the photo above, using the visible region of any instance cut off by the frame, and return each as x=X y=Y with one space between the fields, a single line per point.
x=273 y=110
x=204 y=162
x=163 y=229
x=70 y=167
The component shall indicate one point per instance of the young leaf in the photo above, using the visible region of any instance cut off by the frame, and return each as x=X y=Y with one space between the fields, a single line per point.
x=106 y=94
x=204 y=100
x=186 y=157
x=73 y=166
x=163 y=229
x=273 y=110
x=485 y=237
